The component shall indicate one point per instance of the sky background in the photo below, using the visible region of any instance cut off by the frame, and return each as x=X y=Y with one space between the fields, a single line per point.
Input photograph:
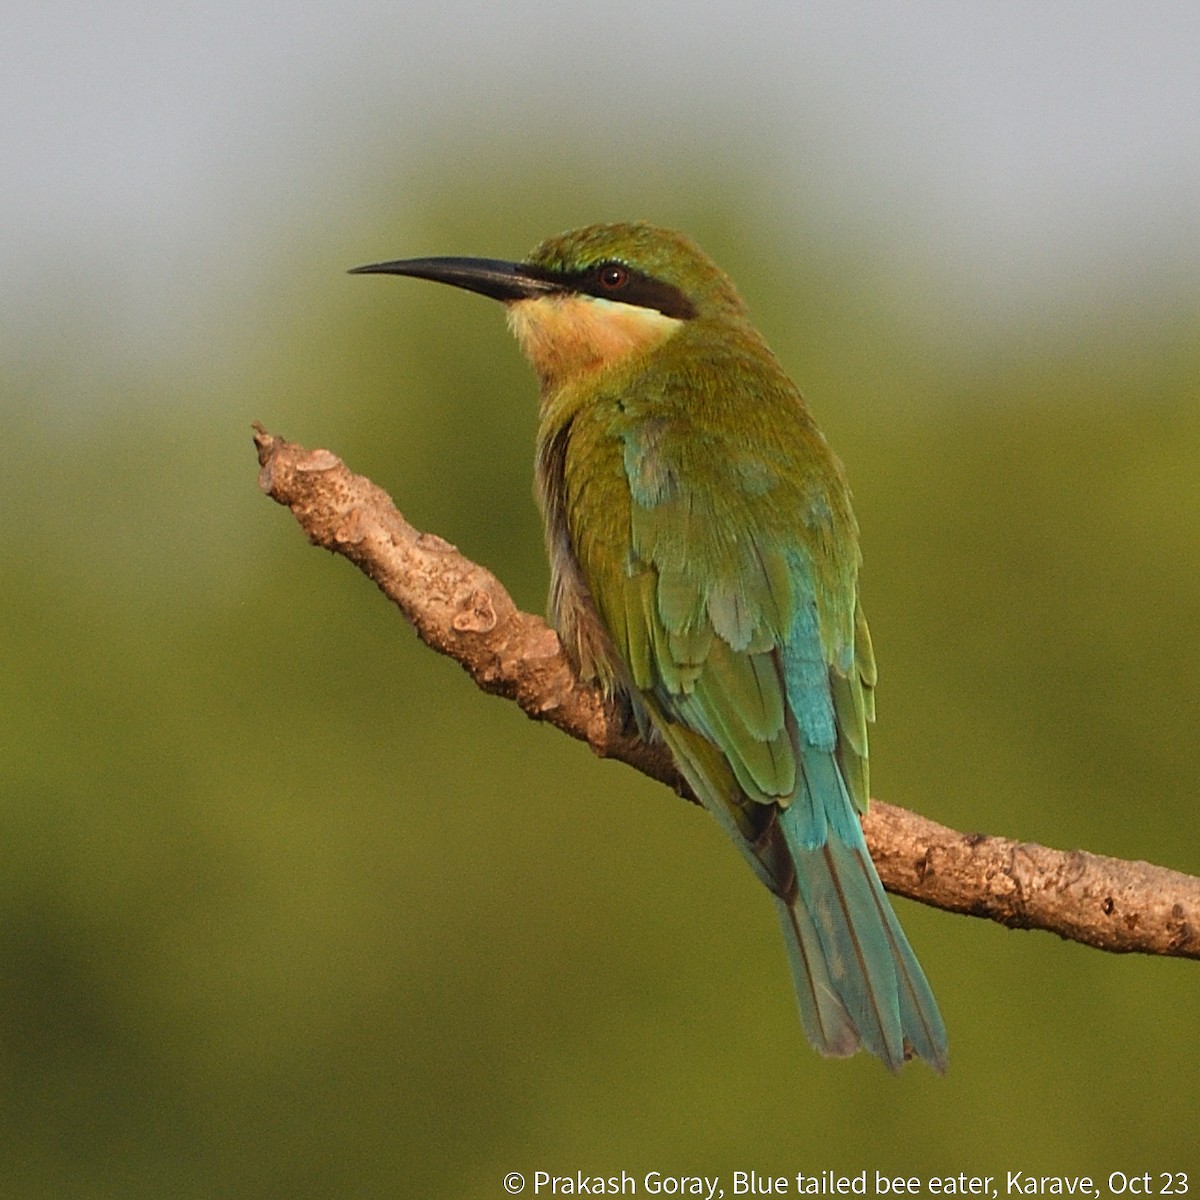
x=1025 y=154
x=287 y=907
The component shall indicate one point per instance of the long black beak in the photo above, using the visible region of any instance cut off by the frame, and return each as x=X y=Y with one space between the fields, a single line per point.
x=488 y=276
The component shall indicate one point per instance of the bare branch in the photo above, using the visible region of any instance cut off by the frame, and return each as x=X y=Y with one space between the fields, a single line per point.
x=461 y=610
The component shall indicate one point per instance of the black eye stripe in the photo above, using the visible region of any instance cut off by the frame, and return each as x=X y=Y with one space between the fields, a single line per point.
x=617 y=281
x=613 y=280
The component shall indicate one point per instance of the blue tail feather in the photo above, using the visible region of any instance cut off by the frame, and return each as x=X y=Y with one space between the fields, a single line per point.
x=843 y=934
x=857 y=980
x=826 y=1023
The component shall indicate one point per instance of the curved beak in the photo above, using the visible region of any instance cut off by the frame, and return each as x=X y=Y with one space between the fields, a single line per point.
x=492 y=277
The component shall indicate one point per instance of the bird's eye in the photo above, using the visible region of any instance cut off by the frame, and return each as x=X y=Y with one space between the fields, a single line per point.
x=613 y=277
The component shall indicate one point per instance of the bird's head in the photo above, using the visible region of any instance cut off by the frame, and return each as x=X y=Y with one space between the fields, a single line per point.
x=591 y=297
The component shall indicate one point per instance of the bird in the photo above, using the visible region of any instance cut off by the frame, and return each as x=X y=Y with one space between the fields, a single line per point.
x=704 y=572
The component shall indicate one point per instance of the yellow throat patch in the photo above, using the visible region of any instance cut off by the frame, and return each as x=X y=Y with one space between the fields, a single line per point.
x=565 y=336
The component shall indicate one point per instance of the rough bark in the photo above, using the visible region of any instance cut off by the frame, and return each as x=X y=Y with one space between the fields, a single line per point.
x=461 y=610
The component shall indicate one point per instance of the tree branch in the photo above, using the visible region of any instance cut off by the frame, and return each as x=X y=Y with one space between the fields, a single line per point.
x=461 y=610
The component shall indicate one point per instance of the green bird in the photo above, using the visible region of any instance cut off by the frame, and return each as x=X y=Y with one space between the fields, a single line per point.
x=704 y=572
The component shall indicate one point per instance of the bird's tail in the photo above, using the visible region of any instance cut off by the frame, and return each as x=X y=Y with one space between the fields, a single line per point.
x=857 y=978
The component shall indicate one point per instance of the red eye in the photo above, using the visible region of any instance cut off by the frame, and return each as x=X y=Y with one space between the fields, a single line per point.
x=613 y=277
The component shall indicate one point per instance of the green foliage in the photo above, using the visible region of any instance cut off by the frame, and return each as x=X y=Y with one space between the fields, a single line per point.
x=288 y=909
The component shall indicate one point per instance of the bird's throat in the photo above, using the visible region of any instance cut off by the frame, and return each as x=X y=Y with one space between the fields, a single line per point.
x=568 y=336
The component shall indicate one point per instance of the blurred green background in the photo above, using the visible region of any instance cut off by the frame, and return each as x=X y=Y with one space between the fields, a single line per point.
x=287 y=908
